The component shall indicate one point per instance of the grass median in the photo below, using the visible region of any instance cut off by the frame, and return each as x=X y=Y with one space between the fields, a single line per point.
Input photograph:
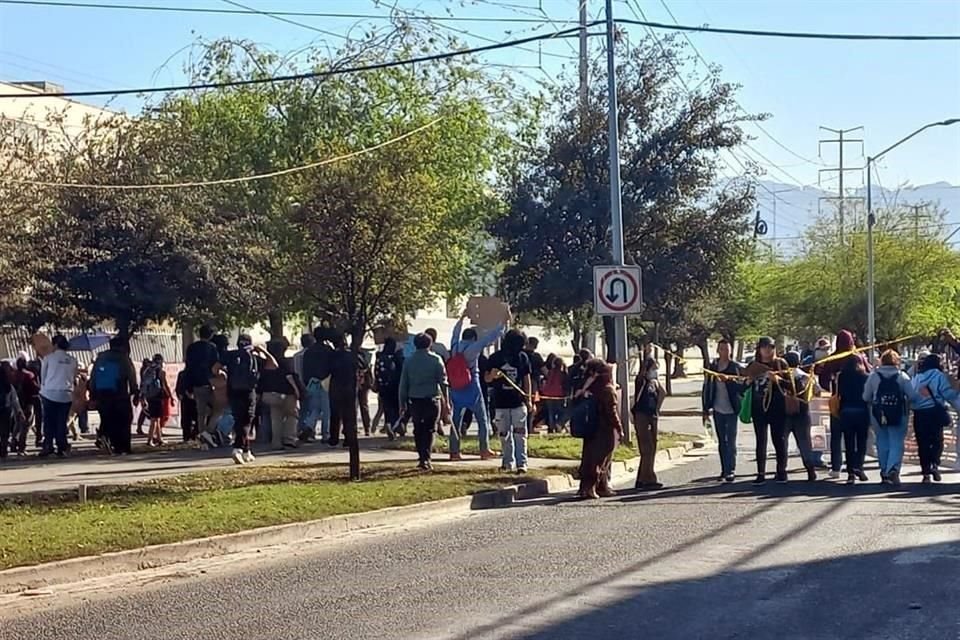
x=552 y=446
x=225 y=501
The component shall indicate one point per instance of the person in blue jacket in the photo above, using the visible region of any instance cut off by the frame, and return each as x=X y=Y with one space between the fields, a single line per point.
x=471 y=345
x=933 y=392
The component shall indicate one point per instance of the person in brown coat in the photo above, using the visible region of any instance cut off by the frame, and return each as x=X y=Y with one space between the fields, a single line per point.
x=598 y=449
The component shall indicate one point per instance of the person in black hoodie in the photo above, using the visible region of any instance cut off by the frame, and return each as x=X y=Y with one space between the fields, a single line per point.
x=797 y=411
x=768 y=407
x=722 y=397
x=854 y=420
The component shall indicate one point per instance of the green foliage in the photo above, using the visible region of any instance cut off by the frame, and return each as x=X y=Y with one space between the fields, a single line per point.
x=685 y=236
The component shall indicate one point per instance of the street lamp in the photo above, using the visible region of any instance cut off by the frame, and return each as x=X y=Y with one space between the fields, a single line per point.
x=871 y=221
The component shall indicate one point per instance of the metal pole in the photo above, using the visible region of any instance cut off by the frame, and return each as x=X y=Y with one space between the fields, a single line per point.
x=616 y=224
x=584 y=50
x=871 y=310
x=840 y=192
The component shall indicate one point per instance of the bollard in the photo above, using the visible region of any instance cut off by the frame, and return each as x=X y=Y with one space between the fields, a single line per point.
x=82 y=493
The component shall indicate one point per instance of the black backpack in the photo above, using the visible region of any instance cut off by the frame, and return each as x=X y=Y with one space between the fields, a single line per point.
x=243 y=370
x=584 y=418
x=889 y=406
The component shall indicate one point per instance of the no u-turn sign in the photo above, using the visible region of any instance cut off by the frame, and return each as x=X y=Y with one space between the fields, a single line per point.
x=616 y=290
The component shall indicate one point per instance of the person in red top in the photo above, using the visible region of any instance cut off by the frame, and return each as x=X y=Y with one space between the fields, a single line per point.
x=28 y=392
x=554 y=393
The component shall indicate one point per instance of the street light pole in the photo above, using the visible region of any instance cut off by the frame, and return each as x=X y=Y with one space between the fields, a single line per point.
x=871 y=221
x=616 y=223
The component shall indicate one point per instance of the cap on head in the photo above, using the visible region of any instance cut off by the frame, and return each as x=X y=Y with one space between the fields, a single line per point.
x=766 y=341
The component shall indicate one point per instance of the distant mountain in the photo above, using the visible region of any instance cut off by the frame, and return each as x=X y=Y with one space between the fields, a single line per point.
x=797 y=207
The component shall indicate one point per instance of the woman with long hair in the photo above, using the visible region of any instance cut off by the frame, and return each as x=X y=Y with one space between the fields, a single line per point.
x=854 y=419
x=599 y=446
x=554 y=393
x=887 y=393
x=768 y=408
x=932 y=392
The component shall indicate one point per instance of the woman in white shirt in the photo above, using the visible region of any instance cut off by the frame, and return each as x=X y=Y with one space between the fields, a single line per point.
x=58 y=371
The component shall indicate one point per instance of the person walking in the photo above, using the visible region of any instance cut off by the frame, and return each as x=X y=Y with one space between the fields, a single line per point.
x=510 y=377
x=722 y=397
x=767 y=408
x=113 y=390
x=389 y=365
x=11 y=414
x=364 y=385
x=202 y=363
x=797 y=390
x=423 y=387
x=598 y=448
x=932 y=392
x=466 y=389
x=854 y=419
x=343 y=391
x=649 y=397
x=278 y=388
x=245 y=366
x=317 y=361
x=306 y=341
x=57 y=376
x=155 y=391
x=888 y=393
x=827 y=374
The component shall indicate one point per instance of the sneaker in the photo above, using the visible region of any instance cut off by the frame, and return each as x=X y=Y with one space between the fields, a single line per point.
x=893 y=478
x=861 y=476
x=781 y=477
x=851 y=479
x=248 y=456
x=455 y=457
x=729 y=477
x=760 y=479
x=926 y=480
x=521 y=470
x=606 y=493
x=834 y=475
x=506 y=468
x=292 y=445
x=207 y=440
x=488 y=455
x=811 y=475
x=884 y=479
x=237 y=456
x=936 y=474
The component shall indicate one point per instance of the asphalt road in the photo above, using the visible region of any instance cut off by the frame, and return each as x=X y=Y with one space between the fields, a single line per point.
x=698 y=560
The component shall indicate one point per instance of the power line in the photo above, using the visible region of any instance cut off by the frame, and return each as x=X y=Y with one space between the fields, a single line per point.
x=292 y=14
x=742 y=109
x=224 y=181
x=790 y=34
x=279 y=18
x=300 y=76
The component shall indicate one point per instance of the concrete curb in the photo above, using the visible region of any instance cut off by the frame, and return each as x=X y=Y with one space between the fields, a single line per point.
x=78 y=569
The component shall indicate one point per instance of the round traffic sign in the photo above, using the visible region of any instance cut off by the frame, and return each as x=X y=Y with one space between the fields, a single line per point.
x=618 y=290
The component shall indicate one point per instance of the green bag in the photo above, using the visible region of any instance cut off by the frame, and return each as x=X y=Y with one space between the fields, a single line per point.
x=746 y=406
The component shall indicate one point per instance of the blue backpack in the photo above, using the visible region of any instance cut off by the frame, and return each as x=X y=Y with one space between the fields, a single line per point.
x=106 y=376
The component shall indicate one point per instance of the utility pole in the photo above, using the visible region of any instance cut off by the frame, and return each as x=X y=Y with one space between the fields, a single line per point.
x=616 y=222
x=841 y=169
x=916 y=219
x=584 y=59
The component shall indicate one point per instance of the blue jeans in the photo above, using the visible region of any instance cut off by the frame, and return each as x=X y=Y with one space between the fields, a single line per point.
x=479 y=410
x=55 y=415
x=890 y=446
x=726 y=428
x=512 y=427
x=318 y=410
x=556 y=412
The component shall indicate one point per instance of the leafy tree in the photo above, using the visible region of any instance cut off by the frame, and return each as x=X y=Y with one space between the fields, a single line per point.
x=685 y=236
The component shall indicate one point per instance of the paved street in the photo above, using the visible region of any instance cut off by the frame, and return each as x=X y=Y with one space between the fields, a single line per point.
x=698 y=560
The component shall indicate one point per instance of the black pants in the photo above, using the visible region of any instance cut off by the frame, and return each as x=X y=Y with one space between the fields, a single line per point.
x=425 y=412
x=116 y=416
x=777 y=426
x=799 y=426
x=929 y=434
x=343 y=414
x=390 y=401
x=243 y=406
x=855 y=424
x=363 y=401
x=188 y=418
x=38 y=419
x=836 y=444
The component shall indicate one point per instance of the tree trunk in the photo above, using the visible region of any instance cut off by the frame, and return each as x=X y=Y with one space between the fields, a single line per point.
x=704 y=351
x=186 y=338
x=276 y=324
x=577 y=339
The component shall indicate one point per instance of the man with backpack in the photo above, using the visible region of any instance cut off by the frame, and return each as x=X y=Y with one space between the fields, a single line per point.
x=113 y=390
x=387 y=380
x=243 y=374
x=466 y=387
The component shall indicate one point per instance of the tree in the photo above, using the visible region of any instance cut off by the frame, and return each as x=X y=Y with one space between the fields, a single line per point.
x=685 y=236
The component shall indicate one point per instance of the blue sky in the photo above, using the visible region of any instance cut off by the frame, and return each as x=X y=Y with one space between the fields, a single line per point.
x=889 y=88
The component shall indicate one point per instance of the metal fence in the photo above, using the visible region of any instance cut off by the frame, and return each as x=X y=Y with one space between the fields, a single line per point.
x=14 y=340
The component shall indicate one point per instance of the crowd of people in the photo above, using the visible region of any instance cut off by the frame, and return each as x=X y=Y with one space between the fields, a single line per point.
x=773 y=393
